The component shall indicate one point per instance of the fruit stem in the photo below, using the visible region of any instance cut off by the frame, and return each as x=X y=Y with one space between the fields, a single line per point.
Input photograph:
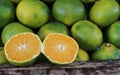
x=108 y=44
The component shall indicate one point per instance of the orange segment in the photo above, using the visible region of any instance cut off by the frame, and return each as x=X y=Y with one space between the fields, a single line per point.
x=60 y=48
x=23 y=46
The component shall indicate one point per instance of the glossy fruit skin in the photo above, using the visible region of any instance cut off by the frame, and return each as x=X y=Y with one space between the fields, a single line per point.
x=32 y=13
x=12 y=29
x=68 y=12
x=3 y=59
x=7 y=12
x=82 y=55
x=87 y=34
x=106 y=52
x=112 y=34
x=104 y=12
x=52 y=27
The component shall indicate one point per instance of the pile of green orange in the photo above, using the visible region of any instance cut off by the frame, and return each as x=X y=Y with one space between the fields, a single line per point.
x=63 y=31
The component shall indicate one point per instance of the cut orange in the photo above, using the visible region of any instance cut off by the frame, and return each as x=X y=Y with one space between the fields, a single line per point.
x=60 y=48
x=22 y=49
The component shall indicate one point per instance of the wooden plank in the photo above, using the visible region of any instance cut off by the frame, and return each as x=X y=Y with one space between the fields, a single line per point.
x=110 y=67
x=75 y=65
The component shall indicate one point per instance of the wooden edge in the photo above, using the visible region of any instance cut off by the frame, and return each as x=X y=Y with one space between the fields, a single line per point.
x=75 y=65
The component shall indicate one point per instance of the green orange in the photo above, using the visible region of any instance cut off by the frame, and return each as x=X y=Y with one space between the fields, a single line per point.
x=87 y=34
x=52 y=27
x=82 y=55
x=68 y=11
x=12 y=29
x=106 y=52
x=104 y=12
x=3 y=59
x=112 y=33
x=32 y=13
x=7 y=12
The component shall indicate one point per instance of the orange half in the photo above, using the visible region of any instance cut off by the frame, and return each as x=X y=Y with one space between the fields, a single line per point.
x=23 y=48
x=60 y=48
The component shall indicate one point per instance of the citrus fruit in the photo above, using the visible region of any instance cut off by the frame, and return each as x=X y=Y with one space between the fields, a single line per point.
x=106 y=52
x=68 y=11
x=22 y=49
x=3 y=59
x=104 y=12
x=32 y=13
x=82 y=55
x=15 y=1
x=87 y=34
x=60 y=48
x=7 y=12
x=113 y=33
x=52 y=27
x=12 y=29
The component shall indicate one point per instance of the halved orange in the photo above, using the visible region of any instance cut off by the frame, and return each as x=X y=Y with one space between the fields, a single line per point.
x=23 y=48
x=60 y=48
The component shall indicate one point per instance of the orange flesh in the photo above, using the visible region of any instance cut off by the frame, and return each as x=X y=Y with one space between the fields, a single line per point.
x=23 y=47
x=60 y=48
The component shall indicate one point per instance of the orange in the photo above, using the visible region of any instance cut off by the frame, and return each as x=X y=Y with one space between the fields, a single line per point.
x=32 y=13
x=107 y=51
x=23 y=49
x=68 y=11
x=7 y=12
x=52 y=27
x=3 y=59
x=112 y=34
x=60 y=48
x=87 y=34
x=12 y=29
x=104 y=12
x=82 y=55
